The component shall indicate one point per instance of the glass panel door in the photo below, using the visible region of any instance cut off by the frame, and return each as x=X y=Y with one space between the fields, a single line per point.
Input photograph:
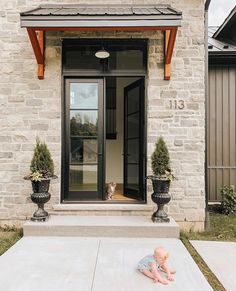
x=133 y=140
x=84 y=139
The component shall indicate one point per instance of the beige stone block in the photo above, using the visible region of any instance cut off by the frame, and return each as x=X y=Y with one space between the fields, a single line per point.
x=51 y=52
x=194 y=214
x=178 y=195
x=44 y=94
x=177 y=216
x=53 y=139
x=192 y=106
x=187 y=53
x=198 y=133
x=178 y=131
x=178 y=142
x=27 y=147
x=4 y=138
x=2 y=14
x=34 y=102
x=16 y=98
x=10 y=146
x=178 y=183
x=10 y=167
x=39 y=126
x=192 y=168
x=50 y=114
x=188 y=205
x=196 y=147
x=7 y=155
x=189 y=122
x=191 y=226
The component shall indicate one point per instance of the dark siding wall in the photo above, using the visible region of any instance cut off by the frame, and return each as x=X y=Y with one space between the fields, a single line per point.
x=221 y=130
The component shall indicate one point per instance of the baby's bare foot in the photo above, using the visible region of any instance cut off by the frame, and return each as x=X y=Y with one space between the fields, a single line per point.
x=170 y=277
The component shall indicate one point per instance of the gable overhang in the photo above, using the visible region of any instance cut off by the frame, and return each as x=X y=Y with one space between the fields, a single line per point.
x=101 y=18
x=227 y=28
x=222 y=58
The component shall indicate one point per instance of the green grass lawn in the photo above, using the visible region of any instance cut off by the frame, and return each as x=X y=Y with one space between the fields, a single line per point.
x=8 y=237
x=222 y=228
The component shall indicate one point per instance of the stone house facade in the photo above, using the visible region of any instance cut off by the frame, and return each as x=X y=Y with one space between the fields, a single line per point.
x=31 y=107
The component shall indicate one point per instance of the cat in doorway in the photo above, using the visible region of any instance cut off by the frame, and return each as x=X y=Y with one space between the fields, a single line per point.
x=110 y=190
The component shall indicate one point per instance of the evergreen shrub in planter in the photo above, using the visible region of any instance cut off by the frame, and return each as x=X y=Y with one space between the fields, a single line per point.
x=42 y=171
x=161 y=179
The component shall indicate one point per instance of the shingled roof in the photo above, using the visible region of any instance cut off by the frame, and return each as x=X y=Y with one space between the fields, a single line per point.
x=101 y=10
x=96 y=15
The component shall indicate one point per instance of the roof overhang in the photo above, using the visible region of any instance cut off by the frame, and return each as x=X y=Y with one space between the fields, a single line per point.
x=222 y=58
x=227 y=28
x=101 y=17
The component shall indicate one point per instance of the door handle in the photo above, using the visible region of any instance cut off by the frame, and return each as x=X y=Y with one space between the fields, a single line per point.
x=99 y=154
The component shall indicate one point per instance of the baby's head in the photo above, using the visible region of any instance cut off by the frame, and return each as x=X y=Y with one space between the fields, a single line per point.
x=161 y=255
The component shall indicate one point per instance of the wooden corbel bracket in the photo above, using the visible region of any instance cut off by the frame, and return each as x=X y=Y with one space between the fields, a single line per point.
x=169 y=36
x=37 y=42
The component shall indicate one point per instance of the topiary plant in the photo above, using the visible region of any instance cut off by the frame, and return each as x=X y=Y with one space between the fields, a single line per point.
x=42 y=162
x=161 y=160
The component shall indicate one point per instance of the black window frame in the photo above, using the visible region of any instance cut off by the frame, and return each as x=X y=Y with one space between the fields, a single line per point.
x=104 y=67
x=84 y=74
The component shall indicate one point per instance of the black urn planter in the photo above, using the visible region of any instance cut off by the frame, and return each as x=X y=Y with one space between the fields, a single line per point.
x=40 y=186
x=40 y=196
x=160 y=196
x=40 y=199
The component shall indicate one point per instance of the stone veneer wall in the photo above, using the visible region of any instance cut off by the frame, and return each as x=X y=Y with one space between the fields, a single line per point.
x=31 y=107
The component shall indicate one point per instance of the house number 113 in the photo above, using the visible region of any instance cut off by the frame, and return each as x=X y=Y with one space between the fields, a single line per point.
x=177 y=104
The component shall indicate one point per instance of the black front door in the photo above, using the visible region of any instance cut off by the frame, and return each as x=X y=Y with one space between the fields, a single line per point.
x=84 y=140
x=134 y=140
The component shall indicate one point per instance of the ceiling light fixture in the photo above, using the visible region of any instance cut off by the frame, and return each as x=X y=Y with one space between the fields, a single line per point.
x=102 y=54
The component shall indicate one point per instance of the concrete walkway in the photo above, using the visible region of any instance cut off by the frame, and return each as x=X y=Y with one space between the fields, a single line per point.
x=221 y=259
x=92 y=264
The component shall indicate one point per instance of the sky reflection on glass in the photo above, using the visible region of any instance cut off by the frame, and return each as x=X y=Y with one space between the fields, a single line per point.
x=83 y=95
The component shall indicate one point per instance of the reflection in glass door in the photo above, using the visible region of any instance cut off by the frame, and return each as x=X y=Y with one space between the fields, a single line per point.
x=84 y=139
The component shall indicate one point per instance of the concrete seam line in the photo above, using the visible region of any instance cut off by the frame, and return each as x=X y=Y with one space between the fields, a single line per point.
x=95 y=267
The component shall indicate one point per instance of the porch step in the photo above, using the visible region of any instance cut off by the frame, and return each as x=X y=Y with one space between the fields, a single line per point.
x=102 y=226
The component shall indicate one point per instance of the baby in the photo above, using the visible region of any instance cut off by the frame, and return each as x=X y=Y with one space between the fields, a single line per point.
x=152 y=264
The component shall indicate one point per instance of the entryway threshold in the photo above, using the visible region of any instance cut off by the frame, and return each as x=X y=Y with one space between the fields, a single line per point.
x=102 y=226
x=100 y=207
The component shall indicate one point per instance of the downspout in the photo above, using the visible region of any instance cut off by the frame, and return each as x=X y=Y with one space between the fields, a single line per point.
x=207 y=218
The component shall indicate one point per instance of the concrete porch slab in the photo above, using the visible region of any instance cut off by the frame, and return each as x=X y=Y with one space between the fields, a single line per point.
x=102 y=226
x=92 y=264
x=221 y=259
